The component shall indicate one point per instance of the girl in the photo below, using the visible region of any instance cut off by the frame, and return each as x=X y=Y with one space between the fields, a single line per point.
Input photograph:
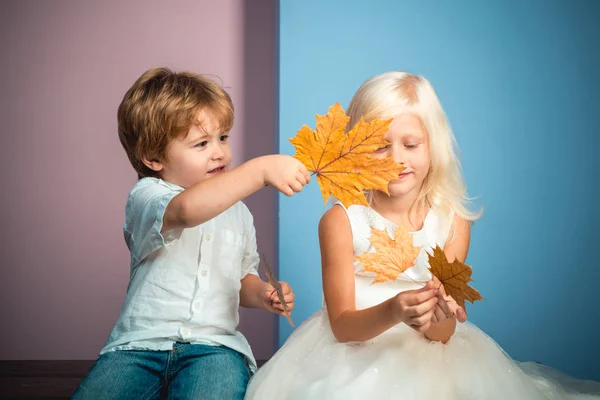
x=399 y=339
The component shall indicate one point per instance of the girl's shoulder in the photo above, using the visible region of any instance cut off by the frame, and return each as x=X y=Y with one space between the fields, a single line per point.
x=437 y=227
x=336 y=215
x=340 y=218
x=337 y=211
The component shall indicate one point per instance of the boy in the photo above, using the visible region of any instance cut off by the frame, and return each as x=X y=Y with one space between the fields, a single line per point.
x=192 y=245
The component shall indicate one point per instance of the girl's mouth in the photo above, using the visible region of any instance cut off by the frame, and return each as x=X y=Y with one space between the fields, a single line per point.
x=216 y=170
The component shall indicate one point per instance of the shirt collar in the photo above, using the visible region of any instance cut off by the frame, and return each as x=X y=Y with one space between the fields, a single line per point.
x=172 y=186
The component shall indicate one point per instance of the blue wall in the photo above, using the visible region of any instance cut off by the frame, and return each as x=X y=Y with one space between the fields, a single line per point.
x=520 y=85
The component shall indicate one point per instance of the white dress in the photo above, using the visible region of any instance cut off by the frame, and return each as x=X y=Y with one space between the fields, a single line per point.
x=400 y=363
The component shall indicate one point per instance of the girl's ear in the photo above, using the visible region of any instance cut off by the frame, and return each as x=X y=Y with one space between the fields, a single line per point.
x=153 y=164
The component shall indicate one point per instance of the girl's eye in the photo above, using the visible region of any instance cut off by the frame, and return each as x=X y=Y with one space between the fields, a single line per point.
x=411 y=146
x=224 y=138
x=202 y=144
x=382 y=149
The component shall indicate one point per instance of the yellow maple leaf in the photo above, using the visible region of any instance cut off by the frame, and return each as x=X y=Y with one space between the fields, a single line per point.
x=455 y=276
x=343 y=163
x=392 y=256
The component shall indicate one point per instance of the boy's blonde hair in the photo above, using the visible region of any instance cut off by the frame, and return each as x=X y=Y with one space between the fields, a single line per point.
x=162 y=105
x=390 y=94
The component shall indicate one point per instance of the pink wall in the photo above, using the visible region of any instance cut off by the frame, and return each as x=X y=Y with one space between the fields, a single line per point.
x=65 y=67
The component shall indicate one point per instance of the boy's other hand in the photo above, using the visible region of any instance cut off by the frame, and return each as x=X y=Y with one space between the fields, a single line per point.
x=271 y=301
x=285 y=173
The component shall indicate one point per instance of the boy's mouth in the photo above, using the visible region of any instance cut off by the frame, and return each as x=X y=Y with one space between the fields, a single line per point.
x=217 y=170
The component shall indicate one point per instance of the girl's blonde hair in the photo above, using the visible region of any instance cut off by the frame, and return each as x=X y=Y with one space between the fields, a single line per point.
x=392 y=93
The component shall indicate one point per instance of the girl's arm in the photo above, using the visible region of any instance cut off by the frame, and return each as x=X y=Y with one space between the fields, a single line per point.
x=415 y=308
x=456 y=248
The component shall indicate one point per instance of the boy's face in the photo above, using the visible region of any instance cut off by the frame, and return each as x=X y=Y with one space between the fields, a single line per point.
x=200 y=155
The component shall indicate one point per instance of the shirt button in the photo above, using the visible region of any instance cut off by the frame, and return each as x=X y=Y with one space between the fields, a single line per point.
x=204 y=273
x=185 y=331
x=197 y=305
x=208 y=238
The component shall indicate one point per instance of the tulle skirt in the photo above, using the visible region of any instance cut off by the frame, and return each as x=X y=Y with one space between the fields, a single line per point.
x=402 y=364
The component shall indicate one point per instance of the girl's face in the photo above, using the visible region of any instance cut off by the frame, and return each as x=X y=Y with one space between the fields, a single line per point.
x=409 y=145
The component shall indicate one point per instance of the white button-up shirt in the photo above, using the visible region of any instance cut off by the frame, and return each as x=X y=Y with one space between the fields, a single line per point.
x=184 y=284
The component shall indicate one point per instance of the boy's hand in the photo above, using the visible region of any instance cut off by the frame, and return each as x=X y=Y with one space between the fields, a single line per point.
x=270 y=300
x=285 y=173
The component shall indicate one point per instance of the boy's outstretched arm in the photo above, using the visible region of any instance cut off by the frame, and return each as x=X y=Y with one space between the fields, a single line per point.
x=256 y=293
x=208 y=198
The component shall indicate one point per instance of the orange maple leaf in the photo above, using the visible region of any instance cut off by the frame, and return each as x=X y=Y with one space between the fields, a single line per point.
x=392 y=256
x=455 y=276
x=343 y=163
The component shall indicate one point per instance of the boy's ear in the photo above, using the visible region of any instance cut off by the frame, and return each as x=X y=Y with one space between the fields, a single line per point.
x=153 y=164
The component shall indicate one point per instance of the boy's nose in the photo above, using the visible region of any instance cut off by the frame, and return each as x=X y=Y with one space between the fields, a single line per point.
x=218 y=153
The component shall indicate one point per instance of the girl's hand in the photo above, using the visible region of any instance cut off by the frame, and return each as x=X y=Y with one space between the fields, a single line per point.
x=416 y=307
x=270 y=300
x=446 y=307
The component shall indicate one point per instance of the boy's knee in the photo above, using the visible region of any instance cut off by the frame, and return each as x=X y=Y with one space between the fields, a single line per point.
x=226 y=376
x=231 y=367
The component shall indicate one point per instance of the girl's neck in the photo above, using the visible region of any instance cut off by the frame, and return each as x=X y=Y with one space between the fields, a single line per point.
x=400 y=210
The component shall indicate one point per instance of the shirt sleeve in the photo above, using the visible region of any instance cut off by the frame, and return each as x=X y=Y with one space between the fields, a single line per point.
x=250 y=257
x=144 y=219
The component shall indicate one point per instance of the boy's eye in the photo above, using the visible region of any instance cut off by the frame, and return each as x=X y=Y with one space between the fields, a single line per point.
x=202 y=144
x=411 y=146
x=382 y=149
x=224 y=138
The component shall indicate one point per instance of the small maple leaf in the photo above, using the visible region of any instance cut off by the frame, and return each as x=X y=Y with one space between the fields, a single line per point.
x=455 y=277
x=277 y=286
x=392 y=256
x=343 y=163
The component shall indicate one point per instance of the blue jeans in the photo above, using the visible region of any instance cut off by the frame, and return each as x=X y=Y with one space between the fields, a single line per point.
x=189 y=371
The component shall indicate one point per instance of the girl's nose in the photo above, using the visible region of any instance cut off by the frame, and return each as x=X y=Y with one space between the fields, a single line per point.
x=398 y=154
